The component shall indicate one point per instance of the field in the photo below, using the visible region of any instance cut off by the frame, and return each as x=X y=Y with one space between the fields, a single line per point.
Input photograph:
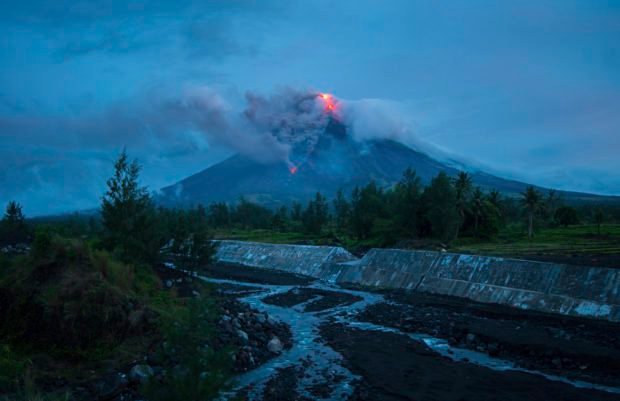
x=579 y=244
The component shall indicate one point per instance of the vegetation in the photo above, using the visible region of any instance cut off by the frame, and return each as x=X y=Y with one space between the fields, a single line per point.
x=447 y=213
x=87 y=293
x=13 y=227
x=86 y=290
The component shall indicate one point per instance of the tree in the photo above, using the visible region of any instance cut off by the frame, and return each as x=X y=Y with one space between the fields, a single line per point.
x=439 y=200
x=296 y=211
x=128 y=215
x=219 y=214
x=477 y=207
x=316 y=214
x=566 y=215
x=462 y=189
x=191 y=246
x=251 y=215
x=495 y=197
x=342 y=210
x=13 y=227
x=406 y=196
x=530 y=200
x=279 y=218
x=367 y=205
x=599 y=217
x=552 y=203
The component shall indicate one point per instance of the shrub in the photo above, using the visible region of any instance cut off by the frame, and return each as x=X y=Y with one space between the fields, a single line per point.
x=42 y=244
x=202 y=372
x=12 y=368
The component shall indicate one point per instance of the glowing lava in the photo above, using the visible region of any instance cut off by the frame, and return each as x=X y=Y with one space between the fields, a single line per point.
x=330 y=102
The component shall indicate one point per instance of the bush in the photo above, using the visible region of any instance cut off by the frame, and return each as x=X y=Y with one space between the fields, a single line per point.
x=73 y=299
x=42 y=244
x=566 y=216
x=202 y=372
x=12 y=368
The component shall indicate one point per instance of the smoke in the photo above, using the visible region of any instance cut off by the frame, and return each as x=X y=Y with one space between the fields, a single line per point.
x=287 y=125
x=175 y=134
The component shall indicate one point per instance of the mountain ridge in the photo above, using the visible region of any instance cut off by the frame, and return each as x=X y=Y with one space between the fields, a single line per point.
x=336 y=162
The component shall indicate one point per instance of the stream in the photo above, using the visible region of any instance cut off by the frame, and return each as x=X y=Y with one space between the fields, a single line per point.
x=317 y=358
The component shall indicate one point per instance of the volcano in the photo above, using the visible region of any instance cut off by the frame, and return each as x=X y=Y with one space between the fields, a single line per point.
x=335 y=162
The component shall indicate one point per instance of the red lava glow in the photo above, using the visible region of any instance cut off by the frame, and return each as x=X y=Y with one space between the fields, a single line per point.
x=292 y=169
x=330 y=102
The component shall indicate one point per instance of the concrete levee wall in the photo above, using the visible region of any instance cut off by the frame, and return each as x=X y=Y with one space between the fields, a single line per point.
x=316 y=261
x=547 y=287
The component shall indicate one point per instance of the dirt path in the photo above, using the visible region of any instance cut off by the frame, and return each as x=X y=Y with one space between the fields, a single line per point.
x=356 y=345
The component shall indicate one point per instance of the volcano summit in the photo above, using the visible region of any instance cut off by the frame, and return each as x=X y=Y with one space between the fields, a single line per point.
x=323 y=156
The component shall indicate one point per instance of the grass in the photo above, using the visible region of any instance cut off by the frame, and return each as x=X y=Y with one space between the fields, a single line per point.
x=561 y=241
x=577 y=240
x=261 y=235
x=72 y=311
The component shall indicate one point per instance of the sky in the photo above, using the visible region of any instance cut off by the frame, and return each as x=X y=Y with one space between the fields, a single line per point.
x=524 y=89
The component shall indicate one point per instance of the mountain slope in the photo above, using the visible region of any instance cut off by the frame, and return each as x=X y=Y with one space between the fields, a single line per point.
x=336 y=162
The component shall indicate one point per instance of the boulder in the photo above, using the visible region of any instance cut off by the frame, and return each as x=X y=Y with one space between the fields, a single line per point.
x=243 y=336
x=275 y=345
x=140 y=373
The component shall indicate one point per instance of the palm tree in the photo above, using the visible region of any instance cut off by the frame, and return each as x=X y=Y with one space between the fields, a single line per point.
x=531 y=202
x=477 y=207
x=598 y=219
x=462 y=187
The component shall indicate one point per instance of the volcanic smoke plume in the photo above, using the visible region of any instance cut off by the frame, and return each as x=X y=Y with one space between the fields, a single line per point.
x=287 y=125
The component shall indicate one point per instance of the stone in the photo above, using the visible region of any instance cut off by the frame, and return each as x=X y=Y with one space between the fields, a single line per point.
x=470 y=338
x=140 y=373
x=110 y=386
x=275 y=345
x=260 y=318
x=243 y=335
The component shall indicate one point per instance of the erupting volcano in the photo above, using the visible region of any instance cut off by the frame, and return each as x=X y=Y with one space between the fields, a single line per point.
x=321 y=155
x=330 y=102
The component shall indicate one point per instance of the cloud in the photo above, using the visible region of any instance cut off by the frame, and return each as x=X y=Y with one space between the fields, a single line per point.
x=196 y=29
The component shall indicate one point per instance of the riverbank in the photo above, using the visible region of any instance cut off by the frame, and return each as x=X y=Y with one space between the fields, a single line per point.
x=397 y=345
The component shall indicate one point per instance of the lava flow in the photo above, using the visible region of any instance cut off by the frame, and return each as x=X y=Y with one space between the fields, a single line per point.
x=330 y=102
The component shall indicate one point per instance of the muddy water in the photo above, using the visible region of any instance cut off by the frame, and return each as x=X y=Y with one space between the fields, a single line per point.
x=317 y=358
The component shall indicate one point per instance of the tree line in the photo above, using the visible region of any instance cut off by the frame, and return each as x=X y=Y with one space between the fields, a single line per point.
x=445 y=209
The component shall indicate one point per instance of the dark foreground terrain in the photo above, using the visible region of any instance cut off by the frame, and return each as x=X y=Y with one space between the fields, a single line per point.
x=358 y=345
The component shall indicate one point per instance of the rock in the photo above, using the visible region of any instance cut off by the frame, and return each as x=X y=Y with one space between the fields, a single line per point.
x=110 y=386
x=275 y=345
x=140 y=373
x=261 y=318
x=169 y=283
x=470 y=338
x=271 y=321
x=228 y=327
x=243 y=336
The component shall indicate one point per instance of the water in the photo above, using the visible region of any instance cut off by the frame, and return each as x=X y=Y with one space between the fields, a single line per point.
x=307 y=344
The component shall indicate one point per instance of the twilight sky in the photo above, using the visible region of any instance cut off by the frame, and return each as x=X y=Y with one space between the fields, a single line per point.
x=527 y=89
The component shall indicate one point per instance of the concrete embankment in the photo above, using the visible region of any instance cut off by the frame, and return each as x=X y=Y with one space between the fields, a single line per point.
x=547 y=287
x=315 y=261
